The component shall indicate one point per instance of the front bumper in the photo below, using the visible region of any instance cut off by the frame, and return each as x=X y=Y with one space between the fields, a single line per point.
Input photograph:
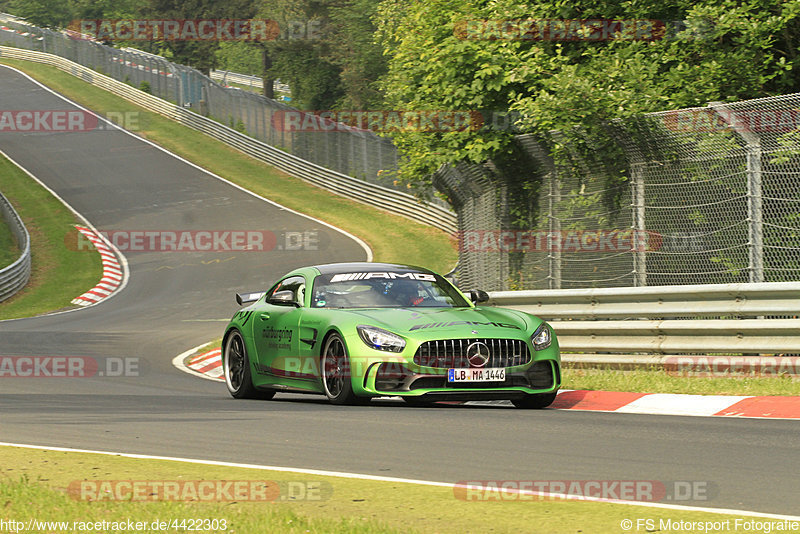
x=541 y=376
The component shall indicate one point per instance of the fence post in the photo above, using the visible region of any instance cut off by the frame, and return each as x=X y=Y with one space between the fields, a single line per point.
x=553 y=229
x=755 y=223
x=639 y=240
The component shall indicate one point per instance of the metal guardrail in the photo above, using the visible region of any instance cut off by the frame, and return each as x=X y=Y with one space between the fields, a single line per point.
x=710 y=318
x=254 y=82
x=389 y=200
x=15 y=276
x=235 y=77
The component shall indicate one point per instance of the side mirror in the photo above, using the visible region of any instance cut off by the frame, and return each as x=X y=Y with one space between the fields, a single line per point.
x=477 y=296
x=247 y=298
x=283 y=298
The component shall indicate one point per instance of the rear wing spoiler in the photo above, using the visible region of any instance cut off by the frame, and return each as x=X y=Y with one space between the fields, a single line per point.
x=247 y=298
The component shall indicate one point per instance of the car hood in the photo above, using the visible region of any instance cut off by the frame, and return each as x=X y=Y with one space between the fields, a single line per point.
x=431 y=323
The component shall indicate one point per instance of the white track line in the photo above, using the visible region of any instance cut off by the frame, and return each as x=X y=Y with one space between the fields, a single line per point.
x=378 y=478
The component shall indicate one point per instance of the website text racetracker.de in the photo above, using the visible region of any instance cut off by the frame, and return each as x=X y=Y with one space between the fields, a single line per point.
x=67 y=121
x=208 y=490
x=379 y=120
x=395 y=120
x=199 y=240
x=175 y=29
x=732 y=366
x=578 y=29
x=69 y=367
x=613 y=240
x=616 y=490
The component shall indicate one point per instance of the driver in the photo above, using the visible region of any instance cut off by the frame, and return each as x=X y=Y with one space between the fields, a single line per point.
x=406 y=294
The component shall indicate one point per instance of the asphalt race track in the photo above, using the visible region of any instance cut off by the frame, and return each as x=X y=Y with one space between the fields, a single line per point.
x=176 y=300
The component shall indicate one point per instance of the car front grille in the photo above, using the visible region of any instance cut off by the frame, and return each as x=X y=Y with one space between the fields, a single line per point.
x=448 y=353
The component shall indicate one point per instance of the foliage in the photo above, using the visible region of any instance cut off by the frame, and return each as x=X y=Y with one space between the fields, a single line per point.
x=326 y=52
x=240 y=57
x=198 y=54
x=298 y=56
x=356 y=54
x=43 y=13
x=577 y=86
x=59 y=13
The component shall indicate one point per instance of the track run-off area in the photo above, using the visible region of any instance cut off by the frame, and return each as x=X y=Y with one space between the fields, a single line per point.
x=174 y=300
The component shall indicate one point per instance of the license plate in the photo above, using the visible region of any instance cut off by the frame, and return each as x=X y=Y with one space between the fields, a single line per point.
x=490 y=374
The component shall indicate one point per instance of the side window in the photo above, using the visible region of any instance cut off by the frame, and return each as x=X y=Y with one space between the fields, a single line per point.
x=289 y=291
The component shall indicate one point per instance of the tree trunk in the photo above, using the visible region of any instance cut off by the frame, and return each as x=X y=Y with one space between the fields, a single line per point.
x=269 y=83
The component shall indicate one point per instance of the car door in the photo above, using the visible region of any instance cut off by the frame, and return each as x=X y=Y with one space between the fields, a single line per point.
x=276 y=330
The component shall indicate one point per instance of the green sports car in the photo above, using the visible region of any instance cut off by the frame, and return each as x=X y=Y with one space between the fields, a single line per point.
x=353 y=331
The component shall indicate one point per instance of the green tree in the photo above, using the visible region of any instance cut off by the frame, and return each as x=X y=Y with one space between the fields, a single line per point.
x=357 y=54
x=326 y=52
x=43 y=13
x=300 y=56
x=198 y=54
x=241 y=57
x=722 y=50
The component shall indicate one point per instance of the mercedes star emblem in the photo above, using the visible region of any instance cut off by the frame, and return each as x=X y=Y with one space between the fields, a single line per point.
x=478 y=354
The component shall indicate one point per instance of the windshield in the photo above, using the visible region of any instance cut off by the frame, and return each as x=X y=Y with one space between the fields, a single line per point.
x=384 y=290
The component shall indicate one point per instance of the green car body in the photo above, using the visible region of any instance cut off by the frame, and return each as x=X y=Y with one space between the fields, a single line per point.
x=305 y=335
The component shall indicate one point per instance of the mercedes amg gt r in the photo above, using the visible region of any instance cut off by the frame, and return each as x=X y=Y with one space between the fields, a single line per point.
x=354 y=331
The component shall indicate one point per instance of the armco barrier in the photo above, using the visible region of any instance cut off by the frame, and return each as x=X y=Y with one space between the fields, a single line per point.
x=395 y=202
x=15 y=276
x=235 y=77
x=712 y=318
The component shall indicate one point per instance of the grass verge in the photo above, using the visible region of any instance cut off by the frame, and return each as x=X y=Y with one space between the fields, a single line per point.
x=656 y=380
x=34 y=483
x=58 y=274
x=392 y=238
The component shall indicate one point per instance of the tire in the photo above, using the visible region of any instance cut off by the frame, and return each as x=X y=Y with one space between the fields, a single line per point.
x=236 y=367
x=535 y=402
x=335 y=366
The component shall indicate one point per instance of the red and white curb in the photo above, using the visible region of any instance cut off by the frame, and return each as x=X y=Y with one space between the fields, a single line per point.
x=112 y=271
x=678 y=404
x=209 y=364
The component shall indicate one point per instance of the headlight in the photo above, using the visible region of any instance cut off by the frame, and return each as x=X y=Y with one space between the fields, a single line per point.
x=541 y=338
x=380 y=339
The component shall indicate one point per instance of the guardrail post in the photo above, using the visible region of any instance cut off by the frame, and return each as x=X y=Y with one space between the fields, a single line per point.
x=755 y=223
